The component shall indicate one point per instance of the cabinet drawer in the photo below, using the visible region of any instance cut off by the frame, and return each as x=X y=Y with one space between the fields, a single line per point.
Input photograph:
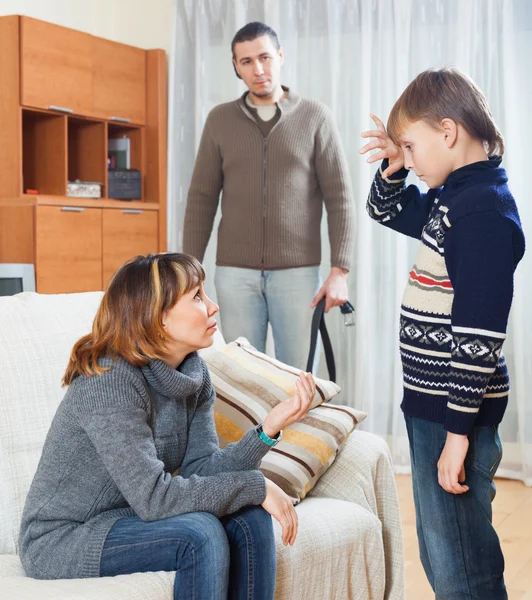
x=56 y=67
x=119 y=81
x=68 y=249
x=127 y=233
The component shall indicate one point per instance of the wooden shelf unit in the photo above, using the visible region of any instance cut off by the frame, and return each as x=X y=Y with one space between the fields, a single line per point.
x=137 y=143
x=63 y=95
x=44 y=152
x=87 y=151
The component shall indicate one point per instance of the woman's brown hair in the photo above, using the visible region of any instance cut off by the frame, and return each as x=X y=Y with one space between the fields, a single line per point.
x=438 y=94
x=128 y=323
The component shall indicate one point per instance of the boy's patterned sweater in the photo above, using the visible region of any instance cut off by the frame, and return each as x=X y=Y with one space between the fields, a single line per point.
x=455 y=307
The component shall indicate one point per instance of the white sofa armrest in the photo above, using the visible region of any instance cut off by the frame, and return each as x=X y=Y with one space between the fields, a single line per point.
x=363 y=473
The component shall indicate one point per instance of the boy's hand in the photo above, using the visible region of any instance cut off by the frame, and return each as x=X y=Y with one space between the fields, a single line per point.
x=389 y=150
x=451 y=472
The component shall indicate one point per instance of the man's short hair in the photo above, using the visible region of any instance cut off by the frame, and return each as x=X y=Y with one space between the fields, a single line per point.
x=251 y=32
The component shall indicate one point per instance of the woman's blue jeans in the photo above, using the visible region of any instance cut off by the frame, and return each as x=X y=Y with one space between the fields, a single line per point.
x=214 y=559
x=458 y=546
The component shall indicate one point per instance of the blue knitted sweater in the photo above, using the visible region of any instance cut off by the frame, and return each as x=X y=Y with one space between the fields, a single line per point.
x=456 y=304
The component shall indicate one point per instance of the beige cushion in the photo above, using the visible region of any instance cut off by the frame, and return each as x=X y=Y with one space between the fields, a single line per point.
x=240 y=371
x=248 y=385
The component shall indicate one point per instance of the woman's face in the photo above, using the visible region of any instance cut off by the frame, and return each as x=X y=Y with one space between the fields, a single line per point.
x=190 y=323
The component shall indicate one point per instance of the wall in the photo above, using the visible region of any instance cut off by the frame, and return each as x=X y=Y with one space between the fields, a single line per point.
x=143 y=23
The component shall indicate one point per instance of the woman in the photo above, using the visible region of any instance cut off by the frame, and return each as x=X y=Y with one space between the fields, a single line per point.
x=131 y=478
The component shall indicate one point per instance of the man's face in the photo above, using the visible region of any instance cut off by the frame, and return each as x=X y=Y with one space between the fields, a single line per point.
x=259 y=64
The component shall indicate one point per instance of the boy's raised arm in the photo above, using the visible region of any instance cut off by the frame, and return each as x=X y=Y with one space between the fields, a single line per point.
x=390 y=202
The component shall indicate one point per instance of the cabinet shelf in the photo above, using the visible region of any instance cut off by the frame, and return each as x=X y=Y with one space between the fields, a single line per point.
x=50 y=200
x=136 y=137
x=86 y=151
x=44 y=152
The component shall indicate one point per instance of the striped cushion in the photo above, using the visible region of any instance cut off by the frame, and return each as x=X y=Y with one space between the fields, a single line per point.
x=248 y=385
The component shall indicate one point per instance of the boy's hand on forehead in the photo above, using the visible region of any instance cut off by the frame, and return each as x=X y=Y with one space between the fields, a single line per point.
x=388 y=149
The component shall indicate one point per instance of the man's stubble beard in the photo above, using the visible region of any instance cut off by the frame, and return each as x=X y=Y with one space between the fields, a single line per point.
x=264 y=94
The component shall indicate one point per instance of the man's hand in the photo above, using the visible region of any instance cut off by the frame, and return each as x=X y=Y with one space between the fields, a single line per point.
x=387 y=148
x=334 y=289
x=451 y=472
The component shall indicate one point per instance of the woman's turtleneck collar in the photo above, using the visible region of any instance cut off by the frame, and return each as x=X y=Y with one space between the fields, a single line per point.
x=186 y=380
x=461 y=175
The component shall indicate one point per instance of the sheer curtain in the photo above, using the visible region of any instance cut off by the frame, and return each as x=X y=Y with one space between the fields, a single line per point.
x=357 y=56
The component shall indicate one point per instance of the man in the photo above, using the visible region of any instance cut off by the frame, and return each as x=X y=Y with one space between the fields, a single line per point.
x=276 y=158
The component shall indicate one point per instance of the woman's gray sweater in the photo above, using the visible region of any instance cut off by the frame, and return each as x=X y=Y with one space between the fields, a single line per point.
x=113 y=449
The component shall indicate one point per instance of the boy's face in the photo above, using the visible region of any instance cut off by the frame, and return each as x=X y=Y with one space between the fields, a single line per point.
x=426 y=152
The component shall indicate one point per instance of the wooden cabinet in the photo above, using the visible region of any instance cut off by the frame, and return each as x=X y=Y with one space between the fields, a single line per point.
x=119 y=81
x=79 y=248
x=110 y=91
x=16 y=234
x=127 y=233
x=56 y=67
x=68 y=241
x=75 y=72
x=11 y=144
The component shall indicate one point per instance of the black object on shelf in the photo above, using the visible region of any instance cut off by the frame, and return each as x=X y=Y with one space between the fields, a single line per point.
x=124 y=184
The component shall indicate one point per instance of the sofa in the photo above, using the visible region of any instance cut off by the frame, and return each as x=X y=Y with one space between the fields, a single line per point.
x=349 y=544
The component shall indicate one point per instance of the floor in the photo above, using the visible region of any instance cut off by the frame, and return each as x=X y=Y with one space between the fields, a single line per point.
x=512 y=510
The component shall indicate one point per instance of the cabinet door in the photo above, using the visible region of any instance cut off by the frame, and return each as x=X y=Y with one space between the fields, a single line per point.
x=56 y=67
x=119 y=81
x=127 y=233
x=68 y=249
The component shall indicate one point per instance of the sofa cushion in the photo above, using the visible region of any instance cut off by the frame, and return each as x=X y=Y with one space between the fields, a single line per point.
x=248 y=385
x=309 y=447
x=240 y=371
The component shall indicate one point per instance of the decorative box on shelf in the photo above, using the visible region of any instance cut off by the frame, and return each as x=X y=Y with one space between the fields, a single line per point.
x=125 y=184
x=84 y=189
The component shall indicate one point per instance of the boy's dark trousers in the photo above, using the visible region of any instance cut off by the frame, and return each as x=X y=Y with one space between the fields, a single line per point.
x=458 y=545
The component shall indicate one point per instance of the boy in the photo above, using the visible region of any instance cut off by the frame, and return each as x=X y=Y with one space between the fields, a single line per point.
x=453 y=317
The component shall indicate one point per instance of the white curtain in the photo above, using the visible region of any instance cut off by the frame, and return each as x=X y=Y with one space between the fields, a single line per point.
x=357 y=56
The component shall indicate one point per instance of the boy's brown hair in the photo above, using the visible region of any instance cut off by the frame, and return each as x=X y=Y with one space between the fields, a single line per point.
x=438 y=94
x=129 y=323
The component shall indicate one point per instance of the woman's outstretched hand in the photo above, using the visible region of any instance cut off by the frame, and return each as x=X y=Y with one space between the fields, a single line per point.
x=292 y=410
x=387 y=148
x=280 y=507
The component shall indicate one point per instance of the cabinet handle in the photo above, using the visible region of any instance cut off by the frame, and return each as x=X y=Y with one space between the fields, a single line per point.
x=60 y=108
x=72 y=208
x=132 y=211
x=121 y=119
